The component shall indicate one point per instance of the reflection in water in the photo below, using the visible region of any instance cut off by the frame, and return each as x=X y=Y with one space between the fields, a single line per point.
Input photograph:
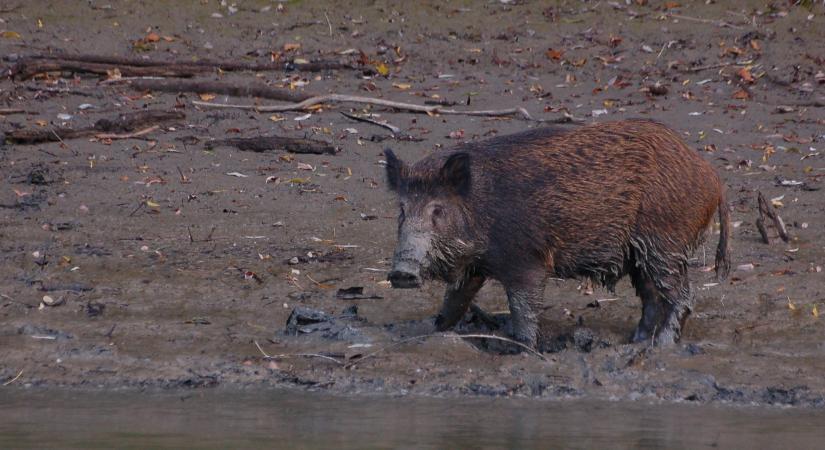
x=237 y=419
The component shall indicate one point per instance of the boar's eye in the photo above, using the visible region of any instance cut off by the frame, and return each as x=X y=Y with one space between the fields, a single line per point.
x=436 y=214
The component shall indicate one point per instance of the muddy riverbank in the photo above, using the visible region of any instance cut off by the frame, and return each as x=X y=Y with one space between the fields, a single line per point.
x=160 y=261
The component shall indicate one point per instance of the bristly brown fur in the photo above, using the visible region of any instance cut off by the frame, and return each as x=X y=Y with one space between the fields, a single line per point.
x=600 y=201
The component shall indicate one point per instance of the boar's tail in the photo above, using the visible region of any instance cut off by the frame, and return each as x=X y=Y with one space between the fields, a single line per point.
x=723 y=249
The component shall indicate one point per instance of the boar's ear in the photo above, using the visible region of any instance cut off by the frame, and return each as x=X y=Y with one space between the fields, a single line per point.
x=394 y=168
x=456 y=172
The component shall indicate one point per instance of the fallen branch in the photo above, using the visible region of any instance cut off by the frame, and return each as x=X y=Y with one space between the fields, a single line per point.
x=266 y=143
x=56 y=90
x=124 y=123
x=131 y=67
x=10 y=111
x=766 y=209
x=114 y=136
x=529 y=349
x=226 y=66
x=27 y=68
x=340 y=98
x=816 y=103
x=217 y=87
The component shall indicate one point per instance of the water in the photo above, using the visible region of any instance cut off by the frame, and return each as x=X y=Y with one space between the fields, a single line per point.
x=277 y=419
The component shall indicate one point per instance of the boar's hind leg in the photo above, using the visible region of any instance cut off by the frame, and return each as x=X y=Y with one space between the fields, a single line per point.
x=457 y=299
x=651 y=306
x=678 y=301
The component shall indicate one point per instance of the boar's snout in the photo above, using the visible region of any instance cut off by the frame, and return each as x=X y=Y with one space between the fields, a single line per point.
x=404 y=276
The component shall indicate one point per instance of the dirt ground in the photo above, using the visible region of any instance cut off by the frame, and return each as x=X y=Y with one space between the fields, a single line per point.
x=147 y=244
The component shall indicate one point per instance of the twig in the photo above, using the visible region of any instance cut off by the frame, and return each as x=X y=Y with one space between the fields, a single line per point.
x=13 y=379
x=139 y=206
x=127 y=135
x=10 y=111
x=719 y=23
x=328 y=23
x=183 y=178
x=341 y=98
x=449 y=336
x=61 y=141
x=708 y=67
x=289 y=355
x=529 y=349
x=383 y=124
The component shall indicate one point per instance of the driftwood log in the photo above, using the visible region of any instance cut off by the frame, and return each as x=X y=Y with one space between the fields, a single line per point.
x=219 y=87
x=136 y=67
x=766 y=210
x=124 y=123
x=262 y=144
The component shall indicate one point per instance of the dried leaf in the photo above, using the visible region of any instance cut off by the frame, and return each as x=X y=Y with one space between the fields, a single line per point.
x=745 y=75
x=741 y=94
x=382 y=69
x=291 y=46
x=402 y=86
x=11 y=35
x=207 y=97
x=755 y=45
x=555 y=55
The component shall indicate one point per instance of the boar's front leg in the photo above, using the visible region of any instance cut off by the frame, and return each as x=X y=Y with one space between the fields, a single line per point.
x=525 y=299
x=457 y=299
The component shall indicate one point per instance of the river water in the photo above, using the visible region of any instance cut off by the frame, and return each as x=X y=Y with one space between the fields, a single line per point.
x=283 y=419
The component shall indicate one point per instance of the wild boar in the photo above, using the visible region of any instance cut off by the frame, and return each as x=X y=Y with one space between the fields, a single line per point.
x=595 y=202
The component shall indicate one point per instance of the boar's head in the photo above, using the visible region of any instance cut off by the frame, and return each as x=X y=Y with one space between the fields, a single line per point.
x=433 y=231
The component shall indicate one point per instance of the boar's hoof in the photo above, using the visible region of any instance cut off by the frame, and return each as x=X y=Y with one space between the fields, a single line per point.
x=663 y=338
x=404 y=280
x=640 y=335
